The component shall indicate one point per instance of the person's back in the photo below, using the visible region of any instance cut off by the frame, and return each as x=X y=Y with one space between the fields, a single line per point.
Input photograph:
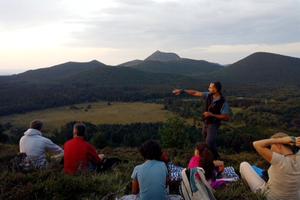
x=35 y=146
x=79 y=155
x=151 y=176
x=284 y=177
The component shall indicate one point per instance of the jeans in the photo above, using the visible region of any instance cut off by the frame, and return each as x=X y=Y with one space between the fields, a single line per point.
x=210 y=132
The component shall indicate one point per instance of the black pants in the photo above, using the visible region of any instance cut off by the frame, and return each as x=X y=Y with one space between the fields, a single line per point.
x=210 y=132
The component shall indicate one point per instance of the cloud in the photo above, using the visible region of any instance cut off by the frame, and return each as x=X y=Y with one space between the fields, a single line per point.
x=193 y=23
x=227 y=54
x=115 y=31
x=16 y=14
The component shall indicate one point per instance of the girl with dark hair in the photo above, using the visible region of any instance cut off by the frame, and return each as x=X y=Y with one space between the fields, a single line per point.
x=204 y=158
x=149 y=180
x=215 y=172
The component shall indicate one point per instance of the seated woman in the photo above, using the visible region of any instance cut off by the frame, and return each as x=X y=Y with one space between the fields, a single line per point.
x=204 y=158
x=284 y=172
x=214 y=169
x=149 y=180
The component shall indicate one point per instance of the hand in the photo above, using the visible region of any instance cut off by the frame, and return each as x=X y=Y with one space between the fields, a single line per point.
x=101 y=156
x=218 y=163
x=177 y=92
x=207 y=114
x=287 y=140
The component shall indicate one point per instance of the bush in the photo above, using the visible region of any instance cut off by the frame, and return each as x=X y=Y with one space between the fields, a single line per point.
x=177 y=133
x=99 y=141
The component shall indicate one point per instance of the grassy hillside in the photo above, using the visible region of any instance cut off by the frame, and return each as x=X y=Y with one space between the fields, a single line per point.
x=53 y=184
x=96 y=113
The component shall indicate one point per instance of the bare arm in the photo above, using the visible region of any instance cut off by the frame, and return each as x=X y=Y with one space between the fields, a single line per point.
x=135 y=187
x=262 y=146
x=194 y=93
x=298 y=142
x=223 y=117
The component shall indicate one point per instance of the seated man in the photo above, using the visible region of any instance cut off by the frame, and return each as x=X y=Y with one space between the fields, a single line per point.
x=284 y=172
x=80 y=156
x=35 y=146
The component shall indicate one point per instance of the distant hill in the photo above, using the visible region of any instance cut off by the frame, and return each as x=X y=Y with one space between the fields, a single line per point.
x=93 y=73
x=77 y=82
x=73 y=82
x=162 y=56
x=131 y=63
x=186 y=67
x=171 y=63
x=262 y=67
x=58 y=72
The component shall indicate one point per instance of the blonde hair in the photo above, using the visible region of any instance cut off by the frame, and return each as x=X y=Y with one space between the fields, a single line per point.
x=282 y=135
x=279 y=135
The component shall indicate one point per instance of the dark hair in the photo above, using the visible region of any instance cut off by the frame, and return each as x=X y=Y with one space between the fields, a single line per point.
x=80 y=127
x=218 y=85
x=36 y=124
x=151 y=150
x=207 y=160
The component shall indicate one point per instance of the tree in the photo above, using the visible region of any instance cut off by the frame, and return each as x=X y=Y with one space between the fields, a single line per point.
x=3 y=137
x=174 y=133
x=99 y=141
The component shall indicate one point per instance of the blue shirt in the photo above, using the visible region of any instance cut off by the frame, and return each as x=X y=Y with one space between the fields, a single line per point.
x=152 y=177
x=225 y=110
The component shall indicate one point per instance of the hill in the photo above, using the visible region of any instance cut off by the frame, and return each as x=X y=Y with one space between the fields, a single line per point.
x=171 y=63
x=162 y=56
x=263 y=68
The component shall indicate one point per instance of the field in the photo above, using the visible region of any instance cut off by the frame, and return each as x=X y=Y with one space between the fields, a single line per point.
x=96 y=113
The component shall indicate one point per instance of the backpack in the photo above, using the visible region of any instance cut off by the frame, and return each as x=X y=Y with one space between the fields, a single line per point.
x=21 y=163
x=194 y=185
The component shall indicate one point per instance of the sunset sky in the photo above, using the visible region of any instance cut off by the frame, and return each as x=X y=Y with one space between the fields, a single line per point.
x=42 y=33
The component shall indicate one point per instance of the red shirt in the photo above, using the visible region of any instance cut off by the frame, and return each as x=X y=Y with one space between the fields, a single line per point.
x=78 y=154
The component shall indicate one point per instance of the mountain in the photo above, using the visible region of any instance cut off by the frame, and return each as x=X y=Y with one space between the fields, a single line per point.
x=94 y=73
x=73 y=82
x=57 y=72
x=186 y=67
x=131 y=63
x=162 y=56
x=171 y=63
x=262 y=67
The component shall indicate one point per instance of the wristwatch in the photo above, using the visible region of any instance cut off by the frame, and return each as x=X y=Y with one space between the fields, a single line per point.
x=293 y=138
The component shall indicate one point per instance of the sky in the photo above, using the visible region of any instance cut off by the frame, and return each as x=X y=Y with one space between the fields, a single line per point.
x=36 y=34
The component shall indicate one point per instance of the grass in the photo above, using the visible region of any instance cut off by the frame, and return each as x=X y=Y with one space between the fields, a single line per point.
x=99 y=113
x=53 y=184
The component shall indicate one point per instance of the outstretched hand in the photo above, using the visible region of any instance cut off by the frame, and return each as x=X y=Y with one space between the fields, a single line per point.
x=177 y=92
